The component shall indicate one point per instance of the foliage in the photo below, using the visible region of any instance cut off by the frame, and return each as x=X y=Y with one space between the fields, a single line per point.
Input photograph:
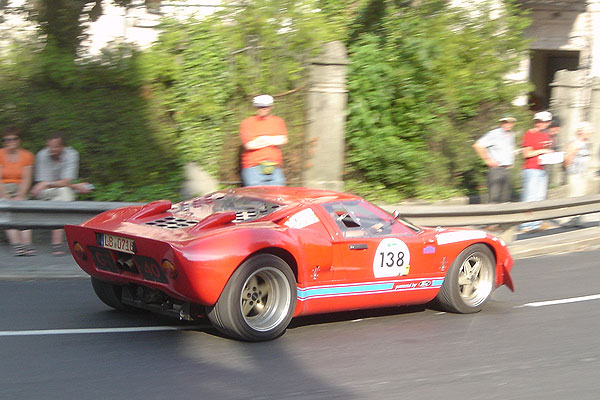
x=105 y=117
x=203 y=74
x=424 y=84
x=137 y=117
x=63 y=23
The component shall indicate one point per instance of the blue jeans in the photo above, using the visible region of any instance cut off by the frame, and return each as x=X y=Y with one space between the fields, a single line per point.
x=253 y=176
x=535 y=187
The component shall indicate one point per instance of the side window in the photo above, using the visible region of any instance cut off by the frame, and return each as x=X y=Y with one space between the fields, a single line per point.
x=355 y=220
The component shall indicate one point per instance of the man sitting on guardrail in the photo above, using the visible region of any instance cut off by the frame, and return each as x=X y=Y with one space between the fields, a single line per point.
x=56 y=167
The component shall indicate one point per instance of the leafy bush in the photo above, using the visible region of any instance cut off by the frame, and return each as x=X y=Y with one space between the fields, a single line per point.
x=104 y=116
x=424 y=84
x=202 y=75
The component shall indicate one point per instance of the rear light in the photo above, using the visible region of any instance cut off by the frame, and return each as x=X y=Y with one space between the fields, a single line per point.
x=169 y=269
x=79 y=251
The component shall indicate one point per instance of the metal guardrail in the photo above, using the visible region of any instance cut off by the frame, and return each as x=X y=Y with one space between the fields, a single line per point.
x=52 y=214
x=501 y=214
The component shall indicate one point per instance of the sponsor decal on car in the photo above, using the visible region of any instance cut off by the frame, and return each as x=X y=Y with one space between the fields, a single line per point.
x=429 y=249
x=302 y=219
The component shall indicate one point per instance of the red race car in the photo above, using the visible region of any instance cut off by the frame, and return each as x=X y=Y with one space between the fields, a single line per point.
x=253 y=258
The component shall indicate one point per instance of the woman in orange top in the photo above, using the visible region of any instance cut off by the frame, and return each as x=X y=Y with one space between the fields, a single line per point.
x=16 y=171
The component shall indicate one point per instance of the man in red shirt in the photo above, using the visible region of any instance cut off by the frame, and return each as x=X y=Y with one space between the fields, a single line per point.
x=261 y=135
x=536 y=141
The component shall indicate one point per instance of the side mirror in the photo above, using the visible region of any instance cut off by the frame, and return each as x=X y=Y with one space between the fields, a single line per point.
x=396 y=214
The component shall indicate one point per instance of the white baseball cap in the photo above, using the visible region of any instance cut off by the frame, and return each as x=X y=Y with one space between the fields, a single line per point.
x=263 y=100
x=543 y=116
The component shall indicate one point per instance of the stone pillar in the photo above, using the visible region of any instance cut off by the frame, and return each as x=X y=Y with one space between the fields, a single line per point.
x=568 y=102
x=593 y=10
x=594 y=118
x=326 y=119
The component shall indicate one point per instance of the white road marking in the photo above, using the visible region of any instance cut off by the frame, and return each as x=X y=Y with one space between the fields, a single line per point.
x=561 y=301
x=95 y=330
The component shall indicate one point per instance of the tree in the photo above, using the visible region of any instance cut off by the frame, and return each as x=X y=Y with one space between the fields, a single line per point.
x=424 y=82
x=63 y=23
x=205 y=73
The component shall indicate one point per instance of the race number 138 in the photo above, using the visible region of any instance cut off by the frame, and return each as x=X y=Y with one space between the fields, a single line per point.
x=392 y=258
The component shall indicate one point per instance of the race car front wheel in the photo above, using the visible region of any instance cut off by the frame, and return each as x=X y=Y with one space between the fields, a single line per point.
x=469 y=282
x=258 y=301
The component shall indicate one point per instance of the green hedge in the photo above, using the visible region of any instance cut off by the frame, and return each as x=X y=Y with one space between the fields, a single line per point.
x=104 y=116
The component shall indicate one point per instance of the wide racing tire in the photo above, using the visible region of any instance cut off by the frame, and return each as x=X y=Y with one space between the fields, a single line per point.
x=258 y=301
x=469 y=282
x=109 y=294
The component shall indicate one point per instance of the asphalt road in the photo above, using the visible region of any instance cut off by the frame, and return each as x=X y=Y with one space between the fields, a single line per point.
x=540 y=342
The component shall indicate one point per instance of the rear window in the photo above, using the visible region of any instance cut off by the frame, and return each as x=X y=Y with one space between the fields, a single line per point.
x=245 y=208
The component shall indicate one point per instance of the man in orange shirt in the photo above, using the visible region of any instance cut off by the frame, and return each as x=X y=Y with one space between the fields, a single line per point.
x=261 y=135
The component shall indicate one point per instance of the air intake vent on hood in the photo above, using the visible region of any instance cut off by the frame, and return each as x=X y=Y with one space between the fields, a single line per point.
x=172 y=223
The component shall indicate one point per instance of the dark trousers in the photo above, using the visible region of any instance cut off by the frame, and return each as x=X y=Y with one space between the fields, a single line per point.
x=499 y=190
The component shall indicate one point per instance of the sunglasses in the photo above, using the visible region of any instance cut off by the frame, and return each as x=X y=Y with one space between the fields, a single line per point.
x=11 y=139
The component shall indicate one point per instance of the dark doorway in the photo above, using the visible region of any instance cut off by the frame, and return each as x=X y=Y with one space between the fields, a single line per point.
x=542 y=67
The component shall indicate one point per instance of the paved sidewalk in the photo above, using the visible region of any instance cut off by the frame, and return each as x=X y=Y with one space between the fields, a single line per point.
x=46 y=266
x=42 y=265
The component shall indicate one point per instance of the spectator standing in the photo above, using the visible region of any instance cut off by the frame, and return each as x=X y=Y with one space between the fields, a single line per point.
x=261 y=136
x=577 y=162
x=16 y=171
x=553 y=131
x=536 y=142
x=56 y=167
x=497 y=149
x=553 y=170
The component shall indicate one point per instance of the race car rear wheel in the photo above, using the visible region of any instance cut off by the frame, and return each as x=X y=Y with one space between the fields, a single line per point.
x=469 y=282
x=258 y=301
x=109 y=294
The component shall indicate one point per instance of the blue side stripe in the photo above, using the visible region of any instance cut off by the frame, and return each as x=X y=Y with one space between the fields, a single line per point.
x=303 y=293
x=366 y=288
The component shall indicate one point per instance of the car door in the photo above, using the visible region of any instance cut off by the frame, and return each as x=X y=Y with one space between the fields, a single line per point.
x=370 y=244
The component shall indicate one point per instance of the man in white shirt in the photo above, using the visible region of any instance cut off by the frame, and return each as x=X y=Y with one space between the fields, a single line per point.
x=56 y=167
x=497 y=149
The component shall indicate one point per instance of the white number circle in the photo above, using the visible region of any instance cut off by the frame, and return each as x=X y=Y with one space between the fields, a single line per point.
x=392 y=258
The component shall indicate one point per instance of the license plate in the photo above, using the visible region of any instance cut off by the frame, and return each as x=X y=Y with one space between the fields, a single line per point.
x=117 y=243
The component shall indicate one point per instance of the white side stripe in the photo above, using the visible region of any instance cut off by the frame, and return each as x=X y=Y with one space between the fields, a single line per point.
x=95 y=330
x=562 y=301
